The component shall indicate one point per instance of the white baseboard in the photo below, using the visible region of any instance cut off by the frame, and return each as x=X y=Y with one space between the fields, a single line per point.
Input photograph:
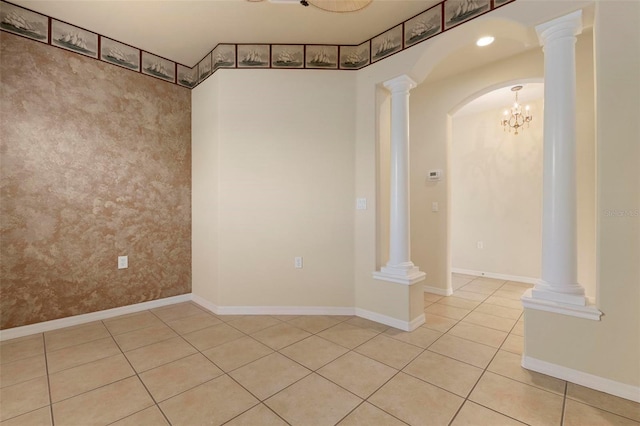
x=518 y=278
x=598 y=383
x=41 y=327
x=390 y=321
x=438 y=291
x=272 y=310
x=309 y=310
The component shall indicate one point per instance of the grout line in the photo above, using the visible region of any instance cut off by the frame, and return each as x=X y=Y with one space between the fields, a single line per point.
x=564 y=403
x=46 y=366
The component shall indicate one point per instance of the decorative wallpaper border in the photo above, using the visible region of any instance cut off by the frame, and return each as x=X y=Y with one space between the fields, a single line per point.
x=421 y=27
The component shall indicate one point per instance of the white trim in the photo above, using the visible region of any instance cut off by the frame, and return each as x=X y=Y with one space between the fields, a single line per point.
x=272 y=310
x=506 y=277
x=390 y=321
x=598 y=383
x=589 y=312
x=438 y=291
x=410 y=279
x=41 y=327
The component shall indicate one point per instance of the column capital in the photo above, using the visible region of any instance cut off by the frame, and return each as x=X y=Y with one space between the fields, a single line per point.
x=565 y=26
x=402 y=83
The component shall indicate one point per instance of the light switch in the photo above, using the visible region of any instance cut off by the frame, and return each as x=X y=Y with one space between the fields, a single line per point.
x=434 y=206
x=123 y=262
x=361 y=204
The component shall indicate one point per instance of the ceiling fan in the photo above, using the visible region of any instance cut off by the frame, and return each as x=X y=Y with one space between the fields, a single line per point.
x=339 y=6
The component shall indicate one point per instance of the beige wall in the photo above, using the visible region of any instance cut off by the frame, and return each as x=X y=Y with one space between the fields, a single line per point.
x=496 y=194
x=285 y=187
x=609 y=348
x=95 y=163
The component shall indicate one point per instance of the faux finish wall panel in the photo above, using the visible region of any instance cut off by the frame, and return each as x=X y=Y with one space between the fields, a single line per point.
x=95 y=163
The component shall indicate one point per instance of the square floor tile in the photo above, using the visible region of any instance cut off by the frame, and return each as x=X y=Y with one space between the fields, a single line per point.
x=280 y=336
x=604 y=401
x=252 y=323
x=499 y=311
x=39 y=417
x=449 y=374
x=151 y=416
x=313 y=401
x=258 y=415
x=416 y=402
x=366 y=414
x=472 y=414
x=578 y=414
x=476 y=295
x=269 y=375
x=509 y=365
x=103 y=405
x=179 y=310
x=131 y=322
x=391 y=352
x=158 y=354
x=72 y=336
x=357 y=373
x=313 y=352
x=459 y=302
x=17 y=349
x=19 y=371
x=212 y=403
x=347 y=335
x=501 y=301
x=518 y=329
x=144 y=336
x=431 y=298
x=513 y=343
x=213 y=336
x=490 y=321
x=479 y=334
x=367 y=324
x=473 y=353
x=514 y=399
x=421 y=337
x=74 y=381
x=193 y=323
x=178 y=376
x=314 y=323
x=73 y=356
x=237 y=353
x=447 y=311
x=509 y=294
x=438 y=323
x=24 y=397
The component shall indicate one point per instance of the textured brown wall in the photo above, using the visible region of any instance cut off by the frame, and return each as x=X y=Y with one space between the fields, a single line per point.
x=95 y=163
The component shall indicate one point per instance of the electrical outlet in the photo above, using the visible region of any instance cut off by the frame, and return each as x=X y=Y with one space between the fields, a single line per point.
x=123 y=262
x=297 y=262
x=480 y=245
x=434 y=206
x=361 y=203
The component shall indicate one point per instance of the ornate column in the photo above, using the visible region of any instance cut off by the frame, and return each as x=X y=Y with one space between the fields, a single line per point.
x=399 y=268
x=559 y=282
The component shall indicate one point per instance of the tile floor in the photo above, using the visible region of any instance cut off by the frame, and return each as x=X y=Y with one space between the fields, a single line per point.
x=181 y=365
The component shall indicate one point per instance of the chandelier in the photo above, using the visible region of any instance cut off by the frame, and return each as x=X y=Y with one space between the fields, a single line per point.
x=514 y=118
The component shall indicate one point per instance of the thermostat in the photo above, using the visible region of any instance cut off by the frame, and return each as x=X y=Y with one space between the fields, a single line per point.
x=435 y=174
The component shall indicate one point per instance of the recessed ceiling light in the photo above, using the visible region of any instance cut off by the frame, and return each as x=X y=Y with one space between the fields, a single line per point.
x=484 y=41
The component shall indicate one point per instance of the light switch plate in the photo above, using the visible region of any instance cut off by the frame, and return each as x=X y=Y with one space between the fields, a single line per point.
x=361 y=203
x=123 y=262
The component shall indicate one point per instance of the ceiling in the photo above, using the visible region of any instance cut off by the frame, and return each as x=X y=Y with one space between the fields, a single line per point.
x=185 y=30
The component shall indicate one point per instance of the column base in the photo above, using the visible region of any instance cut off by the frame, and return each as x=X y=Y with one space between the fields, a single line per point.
x=581 y=311
x=400 y=275
x=574 y=294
